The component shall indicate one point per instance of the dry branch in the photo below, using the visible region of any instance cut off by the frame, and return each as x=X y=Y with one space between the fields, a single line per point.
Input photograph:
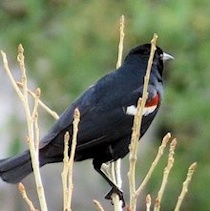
x=161 y=149
x=64 y=174
x=165 y=175
x=45 y=107
x=67 y=173
x=98 y=205
x=185 y=186
x=115 y=166
x=30 y=139
x=137 y=127
x=120 y=46
x=31 y=130
x=148 y=202
x=25 y=197
x=12 y=80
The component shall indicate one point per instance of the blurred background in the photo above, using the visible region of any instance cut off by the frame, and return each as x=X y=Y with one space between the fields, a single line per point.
x=69 y=45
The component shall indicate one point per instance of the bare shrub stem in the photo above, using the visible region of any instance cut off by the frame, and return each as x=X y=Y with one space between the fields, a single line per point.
x=25 y=197
x=31 y=119
x=116 y=166
x=136 y=128
x=67 y=173
x=161 y=149
x=98 y=205
x=165 y=175
x=185 y=186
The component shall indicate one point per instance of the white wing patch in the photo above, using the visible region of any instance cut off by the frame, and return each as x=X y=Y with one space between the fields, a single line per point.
x=131 y=110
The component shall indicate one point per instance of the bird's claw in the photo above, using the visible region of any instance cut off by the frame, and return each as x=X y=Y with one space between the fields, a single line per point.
x=118 y=192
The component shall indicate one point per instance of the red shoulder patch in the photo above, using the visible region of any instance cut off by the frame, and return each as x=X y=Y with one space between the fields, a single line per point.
x=154 y=101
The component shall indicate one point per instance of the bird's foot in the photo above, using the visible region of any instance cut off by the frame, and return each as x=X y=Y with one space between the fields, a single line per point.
x=117 y=191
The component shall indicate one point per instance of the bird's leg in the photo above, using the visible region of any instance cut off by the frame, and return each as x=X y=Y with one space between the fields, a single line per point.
x=115 y=189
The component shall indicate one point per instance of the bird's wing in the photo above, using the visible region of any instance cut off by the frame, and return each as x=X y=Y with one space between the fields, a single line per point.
x=106 y=124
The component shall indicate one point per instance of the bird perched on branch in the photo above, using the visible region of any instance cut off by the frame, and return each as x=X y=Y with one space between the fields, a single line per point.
x=107 y=110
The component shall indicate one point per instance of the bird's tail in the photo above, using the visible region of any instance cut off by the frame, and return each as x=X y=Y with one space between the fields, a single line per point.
x=14 y=169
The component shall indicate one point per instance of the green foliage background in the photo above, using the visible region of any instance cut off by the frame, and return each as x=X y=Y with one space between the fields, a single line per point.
x=70 y=44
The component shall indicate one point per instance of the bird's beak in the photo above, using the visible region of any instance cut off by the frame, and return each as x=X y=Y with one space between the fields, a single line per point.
x=167 y=56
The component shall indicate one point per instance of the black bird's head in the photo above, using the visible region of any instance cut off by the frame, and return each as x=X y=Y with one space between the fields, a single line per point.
x=142 y=53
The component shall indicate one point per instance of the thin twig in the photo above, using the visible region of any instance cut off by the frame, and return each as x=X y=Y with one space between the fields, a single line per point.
x=148 y=202
x=31 y=117
x=43 y=105
x=118 y=173
x=115 y=166
x=30 y=120
x=30 y=125
x=98 y=205
x=165 y=175
x=161 y=149
x=18 y=85
x=64 y=173
x=25 y=197
x=72 y=154
x=7 y=69
x=37 y=94
x=120 y=46
x=67 y=173
x=136 y=127
x=185 y=186
x=35 y=119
